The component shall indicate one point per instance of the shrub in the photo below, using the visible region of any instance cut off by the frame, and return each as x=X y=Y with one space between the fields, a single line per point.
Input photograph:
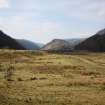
x=19 y=79
x=33 y=78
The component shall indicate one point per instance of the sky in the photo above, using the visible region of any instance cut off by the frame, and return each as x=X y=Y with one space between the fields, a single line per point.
x=44 y=20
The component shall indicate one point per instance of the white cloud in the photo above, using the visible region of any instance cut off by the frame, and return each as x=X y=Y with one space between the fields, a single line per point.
x=85 y=10
x=4 y=3
x=13 y=25
x=24 y=27
x=46 y=31
x=80 y=9
x=47 y=19
x=46 y=27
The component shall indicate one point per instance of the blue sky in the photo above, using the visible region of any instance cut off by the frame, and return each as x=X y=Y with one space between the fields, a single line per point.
x=44 y=20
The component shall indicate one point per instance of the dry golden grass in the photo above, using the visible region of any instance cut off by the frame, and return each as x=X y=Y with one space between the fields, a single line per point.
x=41 y=78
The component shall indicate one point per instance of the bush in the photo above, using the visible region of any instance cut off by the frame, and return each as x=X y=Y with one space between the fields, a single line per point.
x=33 y=78
x=19 y=79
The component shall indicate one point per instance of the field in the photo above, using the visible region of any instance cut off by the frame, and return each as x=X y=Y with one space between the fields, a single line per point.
x=40 y=78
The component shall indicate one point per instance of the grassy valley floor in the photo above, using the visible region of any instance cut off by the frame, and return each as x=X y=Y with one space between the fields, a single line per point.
x=40 y=78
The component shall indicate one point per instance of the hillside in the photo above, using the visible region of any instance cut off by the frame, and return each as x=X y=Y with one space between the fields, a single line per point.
x=75 y=41
x=57 y=45
x=29 y=45
x=95 y=43
x=8 y=42
x=40 y=45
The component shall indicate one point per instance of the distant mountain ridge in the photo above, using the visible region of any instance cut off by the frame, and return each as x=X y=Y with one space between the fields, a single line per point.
x=62 y=44
x=29 y=45
x=8 y=42
x=57 y=45
x=40 y=45
x=101 y=32
x=94 y=43
x=75 y=41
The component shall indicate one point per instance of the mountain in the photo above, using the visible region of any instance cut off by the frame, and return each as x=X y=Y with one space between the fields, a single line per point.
x=40 y=45
x=75 y=41
x=29 y=45
x=95 y=43
x=8 y=42
x=57 y=45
